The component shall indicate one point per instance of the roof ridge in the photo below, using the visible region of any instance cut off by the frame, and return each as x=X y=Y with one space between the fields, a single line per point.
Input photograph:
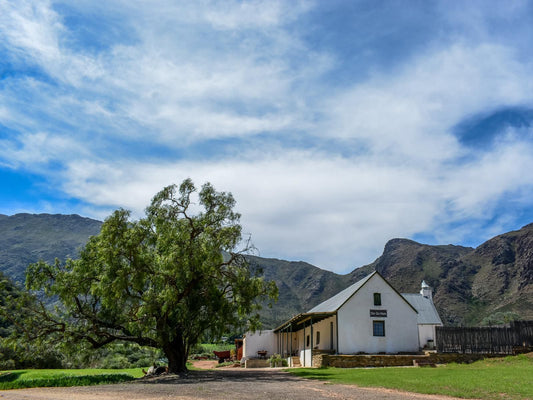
x=334 y=303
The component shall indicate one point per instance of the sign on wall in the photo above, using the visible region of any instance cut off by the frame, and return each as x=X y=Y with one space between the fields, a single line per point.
x=378 y=313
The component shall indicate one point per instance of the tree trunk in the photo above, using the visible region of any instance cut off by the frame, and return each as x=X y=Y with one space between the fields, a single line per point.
x=176 y=355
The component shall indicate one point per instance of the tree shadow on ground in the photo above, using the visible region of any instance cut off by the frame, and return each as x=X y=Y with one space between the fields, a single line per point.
x=237 y=375
x=10 y=376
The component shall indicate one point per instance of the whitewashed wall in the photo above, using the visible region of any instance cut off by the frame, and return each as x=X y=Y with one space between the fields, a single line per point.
x=324 y=327
x=425 y=333
x=259 y=340
x=356 y=327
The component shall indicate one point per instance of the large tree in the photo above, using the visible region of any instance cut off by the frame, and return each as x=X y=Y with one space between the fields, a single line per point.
x=161 y=281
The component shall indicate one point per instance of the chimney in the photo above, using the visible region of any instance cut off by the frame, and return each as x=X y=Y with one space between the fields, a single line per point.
x=426 y=291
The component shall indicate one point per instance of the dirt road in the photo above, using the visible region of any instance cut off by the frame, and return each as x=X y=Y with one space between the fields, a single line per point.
x=220 y=384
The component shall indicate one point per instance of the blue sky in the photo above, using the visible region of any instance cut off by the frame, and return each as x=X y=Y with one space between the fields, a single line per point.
x=337 y=125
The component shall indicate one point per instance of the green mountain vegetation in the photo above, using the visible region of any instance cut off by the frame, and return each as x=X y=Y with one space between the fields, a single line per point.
x=28 y=238
x=471 y=286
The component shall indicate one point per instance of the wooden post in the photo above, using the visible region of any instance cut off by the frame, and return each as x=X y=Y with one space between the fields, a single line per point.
x=292 y=339
x=311 y=341
x=304 y=343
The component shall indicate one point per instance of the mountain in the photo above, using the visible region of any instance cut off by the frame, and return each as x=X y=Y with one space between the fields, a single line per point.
x=490 y=282
x=469 y=285
x=28 y=238
x=301 y=286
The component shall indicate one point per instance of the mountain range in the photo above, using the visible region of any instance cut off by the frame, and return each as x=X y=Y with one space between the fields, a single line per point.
x=470 y=285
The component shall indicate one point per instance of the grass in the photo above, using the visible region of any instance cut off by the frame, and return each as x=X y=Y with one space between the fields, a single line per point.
x=28 y=378
x=210 y=347
x=506 y=378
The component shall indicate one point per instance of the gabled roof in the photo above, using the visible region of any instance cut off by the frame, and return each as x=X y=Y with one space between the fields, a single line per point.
x=427 y=313
x=326 y=308
x=334 y=303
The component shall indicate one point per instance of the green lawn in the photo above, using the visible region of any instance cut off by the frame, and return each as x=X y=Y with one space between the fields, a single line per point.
x=499 y=378
x=65 y=377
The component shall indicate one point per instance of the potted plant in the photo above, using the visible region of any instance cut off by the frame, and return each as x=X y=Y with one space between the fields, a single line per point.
x=275 y=361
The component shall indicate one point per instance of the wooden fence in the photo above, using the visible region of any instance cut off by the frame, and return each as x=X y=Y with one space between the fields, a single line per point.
x=487 y=340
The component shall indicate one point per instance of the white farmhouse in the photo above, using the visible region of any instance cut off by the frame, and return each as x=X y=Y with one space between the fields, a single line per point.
x=370 y=317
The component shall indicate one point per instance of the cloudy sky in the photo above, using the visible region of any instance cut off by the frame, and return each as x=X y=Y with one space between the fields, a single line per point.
x=337 y=125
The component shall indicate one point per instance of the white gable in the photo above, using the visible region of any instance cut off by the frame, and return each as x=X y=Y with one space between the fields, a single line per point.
x=334 y=303
x=357 y=315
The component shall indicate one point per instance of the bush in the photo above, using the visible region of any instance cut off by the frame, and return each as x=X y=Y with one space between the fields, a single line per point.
x=277 y=361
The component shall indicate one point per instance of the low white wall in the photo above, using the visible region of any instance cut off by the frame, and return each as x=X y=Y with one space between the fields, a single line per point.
x=259 y=340
x=306 y=358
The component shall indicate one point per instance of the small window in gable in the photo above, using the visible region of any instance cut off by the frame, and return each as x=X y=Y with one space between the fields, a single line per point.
x=377 y=299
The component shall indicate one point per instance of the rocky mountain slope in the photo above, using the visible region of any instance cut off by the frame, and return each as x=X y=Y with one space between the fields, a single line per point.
x=28 y=238
x=470 y=285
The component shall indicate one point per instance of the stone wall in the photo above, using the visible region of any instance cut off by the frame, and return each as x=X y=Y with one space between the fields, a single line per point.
x=369 y=360
x=256 y=363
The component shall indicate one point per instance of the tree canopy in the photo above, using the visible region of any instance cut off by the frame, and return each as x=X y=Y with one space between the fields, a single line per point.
x=160 y=281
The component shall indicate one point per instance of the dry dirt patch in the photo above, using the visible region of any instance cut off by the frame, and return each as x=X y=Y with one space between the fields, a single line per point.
x=204 y=364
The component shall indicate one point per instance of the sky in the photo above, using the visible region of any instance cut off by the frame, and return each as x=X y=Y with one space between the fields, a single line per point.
x=336 y=125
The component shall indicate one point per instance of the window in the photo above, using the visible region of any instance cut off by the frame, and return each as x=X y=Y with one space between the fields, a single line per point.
x=379 y=328
x=308 y=340
x=377 y=299
x=317 y=337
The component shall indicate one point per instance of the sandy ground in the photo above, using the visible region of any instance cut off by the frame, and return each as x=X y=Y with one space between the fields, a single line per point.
x=205 y=364
x=218 y=384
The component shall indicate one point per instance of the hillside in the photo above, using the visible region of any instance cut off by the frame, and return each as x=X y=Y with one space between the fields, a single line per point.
x=28 y=238
x=301 y=286
x=469 y=284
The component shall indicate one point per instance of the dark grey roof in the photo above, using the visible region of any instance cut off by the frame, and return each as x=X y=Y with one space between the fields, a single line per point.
x=427 y=313
x=334 y=303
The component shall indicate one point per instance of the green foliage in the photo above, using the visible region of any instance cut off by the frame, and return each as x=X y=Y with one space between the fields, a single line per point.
x=207 y=349
x=277 y=361
x=112 y=356
x=14 y=351
x=162 y=281
x=500 y=318
x=508 y=378
x=59 y=378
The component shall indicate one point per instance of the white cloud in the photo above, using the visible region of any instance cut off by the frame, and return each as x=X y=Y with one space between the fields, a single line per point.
x=35 y=150
x=336 y=213
x=167 y=80
x=35 y=33
x=410 y=114
x=218 y=70
x=236 y=15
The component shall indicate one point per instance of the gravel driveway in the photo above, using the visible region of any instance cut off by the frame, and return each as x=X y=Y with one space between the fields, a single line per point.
x=235 y=384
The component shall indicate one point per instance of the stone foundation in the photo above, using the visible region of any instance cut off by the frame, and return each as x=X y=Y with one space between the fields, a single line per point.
x=393 y=360
x=256 y=363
